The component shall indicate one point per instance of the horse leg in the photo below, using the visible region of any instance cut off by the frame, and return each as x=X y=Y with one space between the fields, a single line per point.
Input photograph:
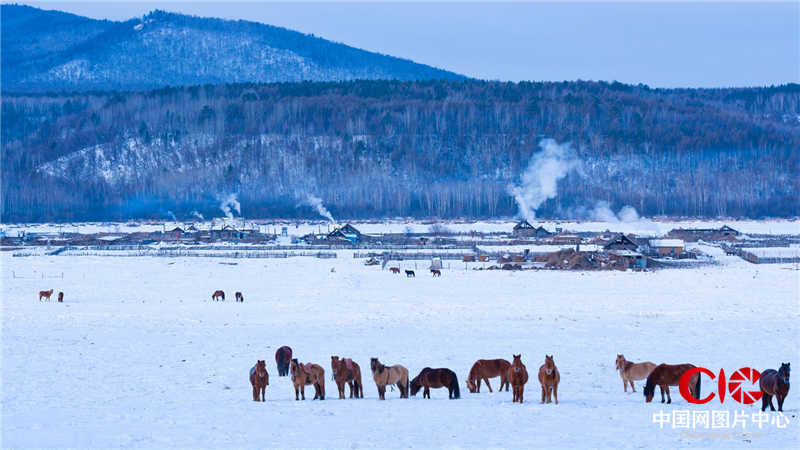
x=781 y=398
x=764 y=402
x=264 y=393
x=661 y=388
x=771 y=408
x=544 y=393
x=296 y=392
x=255 y=393
x=487 y=384
x=521 y=392
x=350 y=383
x=633 y=389
x=303 y=391
x=669 y=398
x=555 y=393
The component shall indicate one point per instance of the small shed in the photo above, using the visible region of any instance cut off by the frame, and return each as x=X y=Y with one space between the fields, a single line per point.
x=667 y=247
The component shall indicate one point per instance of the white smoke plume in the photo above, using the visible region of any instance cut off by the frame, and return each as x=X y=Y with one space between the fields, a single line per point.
x=316 y=203
x=540 y=180
x=172 y=216
x=229 y=205
x=198 y=215
x=602 y=212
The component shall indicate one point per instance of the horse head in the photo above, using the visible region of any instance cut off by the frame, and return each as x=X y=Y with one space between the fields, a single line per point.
x=415 y=385
x=620 y=362
x=784 y=372
x=549 y=364
x=374 y=364
x=471 y=385
x=517 y=364
x=334 y=366
x=293 y=367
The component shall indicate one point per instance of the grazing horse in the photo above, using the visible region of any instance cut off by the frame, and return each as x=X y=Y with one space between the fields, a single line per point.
x=483 y=369
x=436 y=378
x=394 y=270
x=259 y=378
x=666 y=375
x=239 y=297
x=60 y=297
x=775 y=383
x=347 y=371
x=217 y=295
x=385 y=375
x=305 y=375
x=549 y=379
x=283 y=356
x=45 y=294
x=436 y=272
x=410 y=274
x=630 y=371
x=517 y=375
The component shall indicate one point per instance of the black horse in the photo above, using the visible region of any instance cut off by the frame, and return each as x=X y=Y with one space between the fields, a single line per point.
x=283 y=356
x=774 y=383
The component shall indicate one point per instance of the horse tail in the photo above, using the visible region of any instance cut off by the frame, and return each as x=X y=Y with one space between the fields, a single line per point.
x=454 y=385
x=649 y=387
x=697 y=388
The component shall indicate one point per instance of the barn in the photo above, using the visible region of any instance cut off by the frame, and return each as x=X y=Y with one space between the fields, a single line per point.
x=621 y=242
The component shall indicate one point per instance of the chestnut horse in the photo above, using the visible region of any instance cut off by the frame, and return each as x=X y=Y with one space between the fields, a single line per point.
x=239 y=297
x=394 y=270
x=217 y=295
x=347 y=371
x=385 y=375
x=436 y=272
x=483 y=369
x=259 y=378
x=283 y=356
x=630 y=371
x=436 y=378
x=775 y=383
x=305 y=375
x=549 y=379
x=666 y=375
x=45 y=294
x=517 y=375
x=60 y=297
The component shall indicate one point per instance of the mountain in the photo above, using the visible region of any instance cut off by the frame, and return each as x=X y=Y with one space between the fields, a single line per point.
x=55 y=51
x=399 y=148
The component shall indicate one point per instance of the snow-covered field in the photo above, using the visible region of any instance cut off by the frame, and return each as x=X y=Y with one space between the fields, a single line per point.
x=138 y=355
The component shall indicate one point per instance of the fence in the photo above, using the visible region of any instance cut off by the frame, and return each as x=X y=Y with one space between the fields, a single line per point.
x=756 y=259
x=173 y=253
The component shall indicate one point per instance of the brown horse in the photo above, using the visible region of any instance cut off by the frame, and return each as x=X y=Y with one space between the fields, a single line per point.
x=45 y=294
x=775 y=383
x=436 y=272
x=630 y=371
x=436 y=378
x=283 y=356
x=217 y=295
x=259 y=378
x=517 y=375
x=394 y=270
x=306 y=375
x=549 y=379
x=347 y=371
x=60 y=297
x=483 y=369
x=385 y=375
x=666 y=375
x=239 y=297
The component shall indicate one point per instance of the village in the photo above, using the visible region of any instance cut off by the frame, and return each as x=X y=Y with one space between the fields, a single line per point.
x=522 y=246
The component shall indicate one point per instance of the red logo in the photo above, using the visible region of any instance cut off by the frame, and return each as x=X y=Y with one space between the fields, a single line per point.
x=734 y=386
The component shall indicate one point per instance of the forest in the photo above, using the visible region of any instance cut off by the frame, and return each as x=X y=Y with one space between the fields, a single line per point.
x=397 y=148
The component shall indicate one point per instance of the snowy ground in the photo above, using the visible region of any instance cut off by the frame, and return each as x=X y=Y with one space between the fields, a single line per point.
x=138 y=355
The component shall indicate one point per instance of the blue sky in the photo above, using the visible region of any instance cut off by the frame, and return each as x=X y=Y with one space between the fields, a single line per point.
x=675 y=44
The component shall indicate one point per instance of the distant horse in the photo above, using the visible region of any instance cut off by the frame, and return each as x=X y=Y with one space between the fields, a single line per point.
x=666 y=375
x=239 y=297
x=410 y=274
x=259 y=378
x=45 y=294
x=394 y=270
x=283 y=356
x=306 y=375
x=347 y=371
x=774 y=383
x=60 y=297
x=549 y=379
x=436 y=272
x=217 y=295
x=385 y=375
x=517 y=375
x=630 y=371
x=483 y=369
x=436 y=378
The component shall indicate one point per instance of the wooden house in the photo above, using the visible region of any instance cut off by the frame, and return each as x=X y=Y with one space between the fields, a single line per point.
x=621 y=242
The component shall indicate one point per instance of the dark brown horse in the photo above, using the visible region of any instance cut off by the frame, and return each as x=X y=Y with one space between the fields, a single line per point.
x=239 y=297
x=394 y=270
x=308 y=374
x=666 y=375
x=283 y=356
x=346 y=371
x=774 y=383
x=45 y=294
x=259 y=378
x=517 y=375
x=387 y=375
x=436 y=378
x=218 y=295
x=410 y=274
x=483 y=369
x=549 y=379
x=60 y=297
x=436 y=272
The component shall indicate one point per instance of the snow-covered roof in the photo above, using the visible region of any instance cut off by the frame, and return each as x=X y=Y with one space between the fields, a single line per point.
x=666 y=243
x=625 y=253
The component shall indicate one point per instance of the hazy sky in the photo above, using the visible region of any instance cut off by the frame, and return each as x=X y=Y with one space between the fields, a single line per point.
x=674 y=44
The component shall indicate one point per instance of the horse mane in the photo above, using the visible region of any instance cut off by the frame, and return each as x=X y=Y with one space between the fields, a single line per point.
x=627 y=365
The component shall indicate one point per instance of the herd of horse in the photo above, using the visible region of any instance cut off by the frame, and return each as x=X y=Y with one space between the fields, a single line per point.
x=514 y=375
x=47 y=294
